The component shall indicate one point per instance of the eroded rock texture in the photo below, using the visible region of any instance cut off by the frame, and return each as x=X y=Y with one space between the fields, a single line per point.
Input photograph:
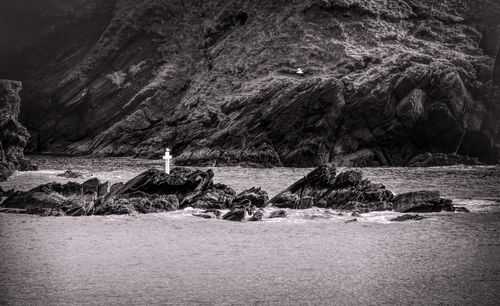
x=13 y=136
x=383 y=81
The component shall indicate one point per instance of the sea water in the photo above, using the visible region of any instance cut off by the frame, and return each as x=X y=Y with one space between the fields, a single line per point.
x=310 y=258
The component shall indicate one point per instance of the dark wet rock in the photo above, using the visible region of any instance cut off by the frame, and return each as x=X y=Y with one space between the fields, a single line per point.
x=186 y=184
x=285 y=200
x=408 y=218
x=257 y=196
x=119 y=207
x=68 y=189
x=365 y=196
x=34 y=199
x=257 y=216
x=91 y=186
x=219 y=196
x=315 y=184
x=281 y=213
x=351 y=220
x=306 y=202
x=442 y=159
x=71 y=174
x=103 y=189
x=347 y=179
x=235 y=214
x=421 y=201
x=13 y=136
x=461 y=209
x=140 y=202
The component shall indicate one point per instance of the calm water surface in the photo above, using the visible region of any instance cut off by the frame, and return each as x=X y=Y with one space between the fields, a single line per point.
x=311 y=258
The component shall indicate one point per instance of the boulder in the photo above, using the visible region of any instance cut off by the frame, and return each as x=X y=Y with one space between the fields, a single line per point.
x=280 y=213
x=421 y=201
x=235 y=214
x=257 y=196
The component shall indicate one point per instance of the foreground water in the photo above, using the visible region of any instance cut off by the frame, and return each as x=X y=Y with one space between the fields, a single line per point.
x=312 y=257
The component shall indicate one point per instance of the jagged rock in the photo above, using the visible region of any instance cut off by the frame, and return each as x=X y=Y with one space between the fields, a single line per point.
x=281 y=213
x=441 y=159
x=461 y=209
x=218 y=197
x=71 y=174
x=421 y=201
x=257 y=196
x=347 y=179
x=186 y=184
x=306 y=202
x=365 y=196
x=13 y=136
x=103 y=189
x=91 y=186
x=34 y=199
x=257 y=216
x=408 y=218
x=68 y=189
x=120 y=207
x=285 y=200
x=315 y=184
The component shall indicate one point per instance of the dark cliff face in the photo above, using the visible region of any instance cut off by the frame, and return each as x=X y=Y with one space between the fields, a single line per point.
x=216 y=80
x=13 y=136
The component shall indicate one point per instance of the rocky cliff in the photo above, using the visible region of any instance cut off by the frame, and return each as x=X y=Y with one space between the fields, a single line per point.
x=13 y=136
x=382 y=82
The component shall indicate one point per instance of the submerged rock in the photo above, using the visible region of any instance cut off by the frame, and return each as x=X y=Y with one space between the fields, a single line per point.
x=408 y=218
x=209 y=214
x=281 y=213
x=70 y=174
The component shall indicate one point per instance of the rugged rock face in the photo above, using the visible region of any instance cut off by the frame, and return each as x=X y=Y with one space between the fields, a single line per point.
x=348 y=191
x=13 y=136
x=216 y=80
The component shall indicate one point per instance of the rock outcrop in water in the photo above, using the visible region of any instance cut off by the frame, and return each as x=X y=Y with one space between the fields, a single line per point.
x=383 y=81
x=154 y=191
x=348 y=191
x=13 y=136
